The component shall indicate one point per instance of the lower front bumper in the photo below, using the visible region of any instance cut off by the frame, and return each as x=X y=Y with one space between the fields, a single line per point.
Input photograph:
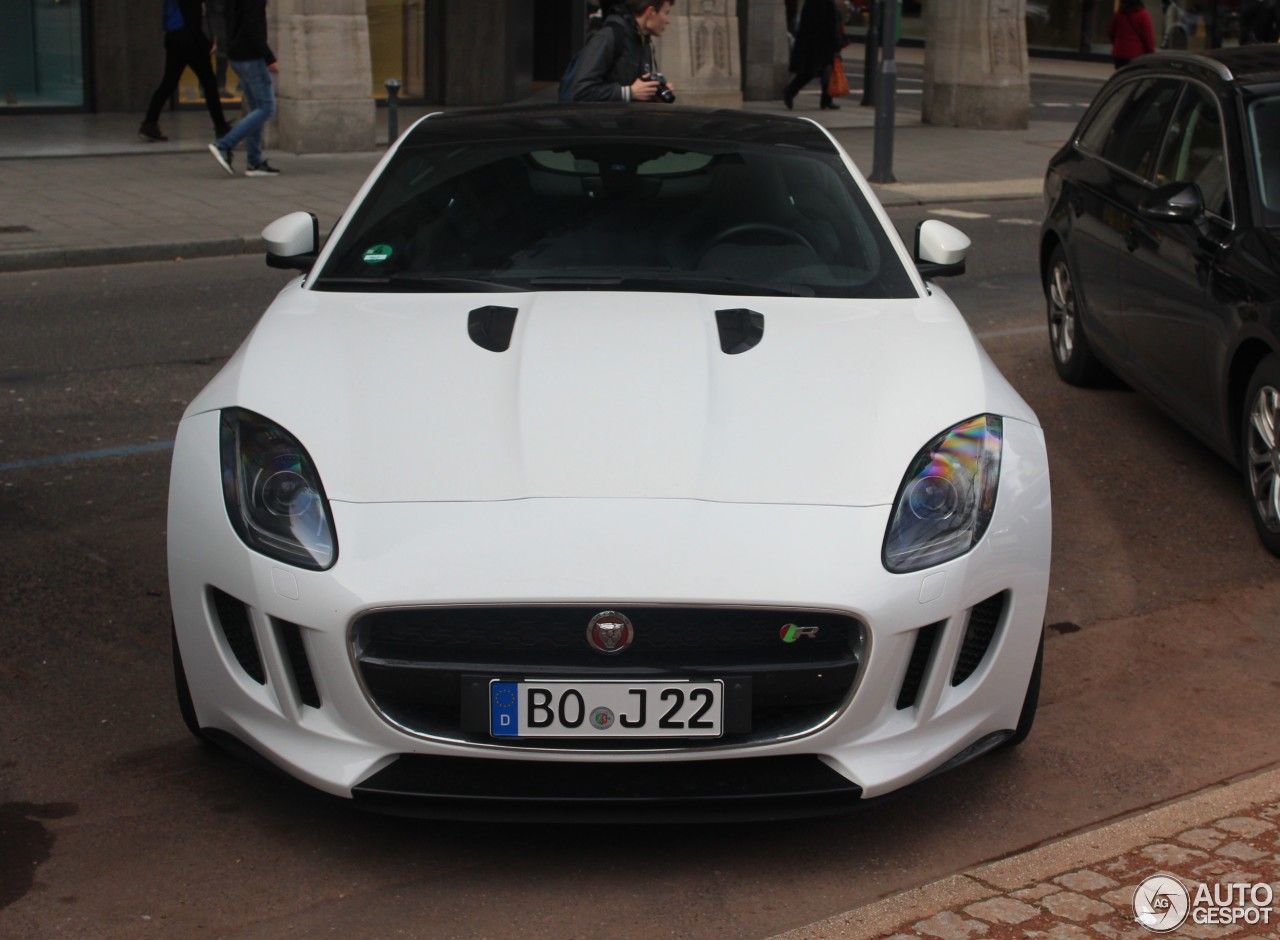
x=789 y=787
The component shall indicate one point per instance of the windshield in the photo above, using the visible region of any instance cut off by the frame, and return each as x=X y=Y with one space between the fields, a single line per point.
x=1264 y=141
x=616 y=214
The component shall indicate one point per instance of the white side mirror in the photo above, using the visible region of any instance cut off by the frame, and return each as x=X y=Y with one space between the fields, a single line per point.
x=940 y=249
x=293 y=241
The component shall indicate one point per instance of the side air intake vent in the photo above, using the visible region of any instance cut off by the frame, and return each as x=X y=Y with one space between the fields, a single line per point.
x=233 y=617
x=491 y=327
x=926 y=637
x=296 y=655
x=984 y=618
x=740 y=330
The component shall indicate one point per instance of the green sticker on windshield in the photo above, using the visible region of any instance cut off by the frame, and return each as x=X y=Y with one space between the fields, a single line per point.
x=377 y=254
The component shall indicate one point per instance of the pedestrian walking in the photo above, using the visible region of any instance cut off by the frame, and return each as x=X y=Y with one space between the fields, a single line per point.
x=185 y=47
x=1131 y=32
x=255 y=65
x=819 y=39
x=618 y=62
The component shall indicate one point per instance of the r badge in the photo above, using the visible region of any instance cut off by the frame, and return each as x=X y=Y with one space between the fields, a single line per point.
x=610 y=632
x=792 y=632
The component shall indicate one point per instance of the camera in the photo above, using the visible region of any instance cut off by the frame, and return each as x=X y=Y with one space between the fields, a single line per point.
x=665 y=93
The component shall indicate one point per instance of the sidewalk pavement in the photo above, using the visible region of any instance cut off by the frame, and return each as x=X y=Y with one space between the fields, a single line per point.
x=122 y=200
x=1083 y=887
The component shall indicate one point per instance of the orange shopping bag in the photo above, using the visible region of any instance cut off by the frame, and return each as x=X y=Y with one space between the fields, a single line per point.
x=839 y=85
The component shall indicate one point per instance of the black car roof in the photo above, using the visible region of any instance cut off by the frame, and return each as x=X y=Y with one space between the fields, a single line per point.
x=657 y=122
x=1241 y=65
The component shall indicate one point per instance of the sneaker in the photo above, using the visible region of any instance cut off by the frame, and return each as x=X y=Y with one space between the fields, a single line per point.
x=151 y=133
x=223 y=157
x=262 y=169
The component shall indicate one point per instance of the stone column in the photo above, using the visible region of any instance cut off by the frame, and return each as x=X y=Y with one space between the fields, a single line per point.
x=698 y=52
x=976 y=73
x=324 y=88
x=765 y=52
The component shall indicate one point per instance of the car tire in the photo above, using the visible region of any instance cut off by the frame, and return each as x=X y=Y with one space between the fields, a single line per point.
x=1027 y=717
x=1260 y=450
x=185 y=705
x=1073 y=357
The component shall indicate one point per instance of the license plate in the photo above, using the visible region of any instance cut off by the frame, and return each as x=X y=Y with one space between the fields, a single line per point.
x=613 y=709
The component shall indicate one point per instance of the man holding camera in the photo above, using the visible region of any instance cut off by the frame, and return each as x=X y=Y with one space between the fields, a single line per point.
x=617 y=63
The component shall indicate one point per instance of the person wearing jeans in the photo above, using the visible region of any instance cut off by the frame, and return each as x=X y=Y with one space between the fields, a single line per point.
x=255 y=64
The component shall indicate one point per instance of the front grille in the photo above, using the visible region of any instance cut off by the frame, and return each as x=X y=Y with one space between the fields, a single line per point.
x=233 y=618
x=422 y=667
x=984 y=618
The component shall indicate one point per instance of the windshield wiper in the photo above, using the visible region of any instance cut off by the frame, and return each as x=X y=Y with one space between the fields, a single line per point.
x=683 y=283
x=447 y=284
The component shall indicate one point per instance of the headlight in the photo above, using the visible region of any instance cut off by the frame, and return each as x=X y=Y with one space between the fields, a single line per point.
x=946 y=499
x=273 y=493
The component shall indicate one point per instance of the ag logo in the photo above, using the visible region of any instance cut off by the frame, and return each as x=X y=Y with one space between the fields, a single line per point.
x=792 y=632
x=1161 y=903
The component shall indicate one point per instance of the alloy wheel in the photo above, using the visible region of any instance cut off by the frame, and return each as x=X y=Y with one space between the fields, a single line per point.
x=1262 y=451
x=1062 y=312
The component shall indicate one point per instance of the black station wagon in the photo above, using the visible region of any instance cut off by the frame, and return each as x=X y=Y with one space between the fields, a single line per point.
x=1160 y=251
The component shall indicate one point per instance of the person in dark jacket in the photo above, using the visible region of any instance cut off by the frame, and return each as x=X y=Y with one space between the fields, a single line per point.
x=255 y=64
x=185 y=47
x=616 y=61
x=818 y=42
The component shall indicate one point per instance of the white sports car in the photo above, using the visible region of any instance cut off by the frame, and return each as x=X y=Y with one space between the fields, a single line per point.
x=614 y=459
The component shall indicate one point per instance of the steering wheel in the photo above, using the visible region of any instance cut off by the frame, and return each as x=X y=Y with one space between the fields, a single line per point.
x=733 y=231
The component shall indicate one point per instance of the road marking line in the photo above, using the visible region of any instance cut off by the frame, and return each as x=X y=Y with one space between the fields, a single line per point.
x=960 y=214
x=1018 y=222
x=129 y=451
x=1015 y=331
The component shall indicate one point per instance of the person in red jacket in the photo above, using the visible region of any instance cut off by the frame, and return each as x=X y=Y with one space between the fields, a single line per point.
x=1131 y=32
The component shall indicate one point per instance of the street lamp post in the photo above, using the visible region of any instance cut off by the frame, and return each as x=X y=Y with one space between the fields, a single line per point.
x=870 y=56
x=886 y=90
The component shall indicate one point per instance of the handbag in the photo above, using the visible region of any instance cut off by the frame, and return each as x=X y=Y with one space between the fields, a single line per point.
x=839 y=85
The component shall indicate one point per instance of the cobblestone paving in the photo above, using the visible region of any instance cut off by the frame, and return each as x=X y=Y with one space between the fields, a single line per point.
x=1096 y=903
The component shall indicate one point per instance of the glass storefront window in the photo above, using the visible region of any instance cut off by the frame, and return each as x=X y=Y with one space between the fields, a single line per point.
x=398 y=46
x=42 y=54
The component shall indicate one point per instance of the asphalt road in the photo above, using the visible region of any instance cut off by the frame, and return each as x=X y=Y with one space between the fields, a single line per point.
x=1160 y=673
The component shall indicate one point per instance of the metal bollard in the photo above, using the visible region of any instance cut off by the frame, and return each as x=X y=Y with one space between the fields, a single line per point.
x=393 y=116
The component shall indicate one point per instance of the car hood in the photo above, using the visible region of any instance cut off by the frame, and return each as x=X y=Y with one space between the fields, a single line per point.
x=604 y=394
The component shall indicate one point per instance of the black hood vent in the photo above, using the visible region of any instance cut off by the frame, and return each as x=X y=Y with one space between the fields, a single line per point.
x=491 y=327
x=740 y=329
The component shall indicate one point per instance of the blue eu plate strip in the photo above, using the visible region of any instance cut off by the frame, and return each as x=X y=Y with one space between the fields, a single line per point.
x=504 y=709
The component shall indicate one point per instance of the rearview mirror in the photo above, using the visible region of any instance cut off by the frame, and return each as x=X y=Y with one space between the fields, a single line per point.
x=1174 y=202
x=940 y=249
x=293 y=241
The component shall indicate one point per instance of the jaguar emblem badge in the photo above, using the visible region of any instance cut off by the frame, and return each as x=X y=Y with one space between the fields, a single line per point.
x=610 y=632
